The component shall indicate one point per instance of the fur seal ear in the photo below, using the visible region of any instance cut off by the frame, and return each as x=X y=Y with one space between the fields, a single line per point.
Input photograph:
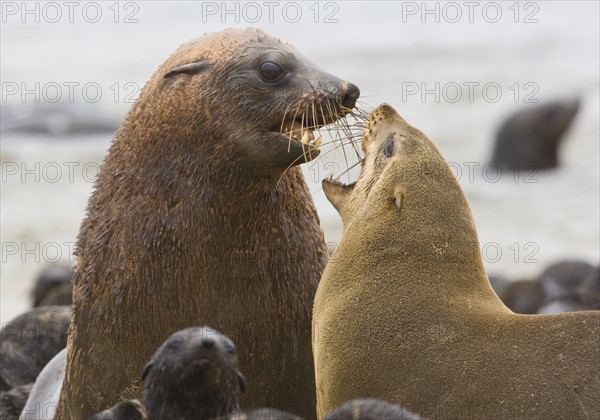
x=398 y=197
x=242 y=381
x=146 y=370
x=191 y=68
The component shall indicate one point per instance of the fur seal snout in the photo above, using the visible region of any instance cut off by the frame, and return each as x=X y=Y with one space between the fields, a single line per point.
x=408 y=280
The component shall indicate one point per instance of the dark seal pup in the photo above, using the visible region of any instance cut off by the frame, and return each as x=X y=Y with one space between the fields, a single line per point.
x=13 y=401
x=404 y=311
x=200 y=216
x=266 y=413
x=371 y=409
x=194 y=375
x=570 y=285
x=53 y=286
x=126 y=410
x=524 y=296
x=30 y=341
x=530 y=138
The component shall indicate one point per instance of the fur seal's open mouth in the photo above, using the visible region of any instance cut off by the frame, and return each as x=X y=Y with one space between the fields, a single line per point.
x=299 y=130
x=336 y=182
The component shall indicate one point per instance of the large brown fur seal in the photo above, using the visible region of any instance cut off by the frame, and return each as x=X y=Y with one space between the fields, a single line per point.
x=195 y=220
x=404 y=310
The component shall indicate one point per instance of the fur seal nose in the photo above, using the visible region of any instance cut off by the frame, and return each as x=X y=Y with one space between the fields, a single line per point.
x=351 y=94
x=207 y=343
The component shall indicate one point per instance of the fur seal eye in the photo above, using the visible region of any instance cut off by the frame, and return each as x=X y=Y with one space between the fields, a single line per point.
x=271 y=72
x=388 y=149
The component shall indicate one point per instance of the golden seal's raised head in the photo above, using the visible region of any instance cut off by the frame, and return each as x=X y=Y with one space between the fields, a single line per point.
x=401 y=165
x=236 y=79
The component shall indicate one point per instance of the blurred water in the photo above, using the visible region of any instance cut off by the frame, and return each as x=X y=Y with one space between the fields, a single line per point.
x=377 y=45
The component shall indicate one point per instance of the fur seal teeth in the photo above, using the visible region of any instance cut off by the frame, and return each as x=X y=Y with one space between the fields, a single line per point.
x=296 y=130
x=306 y=137
x=318 y=141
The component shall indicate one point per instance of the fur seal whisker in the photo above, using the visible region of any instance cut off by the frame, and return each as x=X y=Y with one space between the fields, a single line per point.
x=304 y=146
x=350 y=168
x=320 y=156
x=288 y=168
x=327 y=127
x=348 y=132
x=287 y=109
x=337 y=126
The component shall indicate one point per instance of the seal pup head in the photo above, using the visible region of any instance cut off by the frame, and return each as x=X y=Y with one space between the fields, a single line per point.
x=371 y=409
x=194 y=374
x=400 y=163
x=126 y=410
x=255 y=90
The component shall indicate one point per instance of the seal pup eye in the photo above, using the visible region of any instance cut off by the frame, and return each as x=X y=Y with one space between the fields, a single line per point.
x=271 y=72
x=175 y=344
x=388 y=149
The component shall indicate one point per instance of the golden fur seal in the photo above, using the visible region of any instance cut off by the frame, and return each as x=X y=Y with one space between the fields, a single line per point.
x=404 y=311
x=195 y=220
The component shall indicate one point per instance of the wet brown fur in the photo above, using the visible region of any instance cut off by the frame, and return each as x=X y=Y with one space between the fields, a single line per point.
x=192 y=222
x=404 y=310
